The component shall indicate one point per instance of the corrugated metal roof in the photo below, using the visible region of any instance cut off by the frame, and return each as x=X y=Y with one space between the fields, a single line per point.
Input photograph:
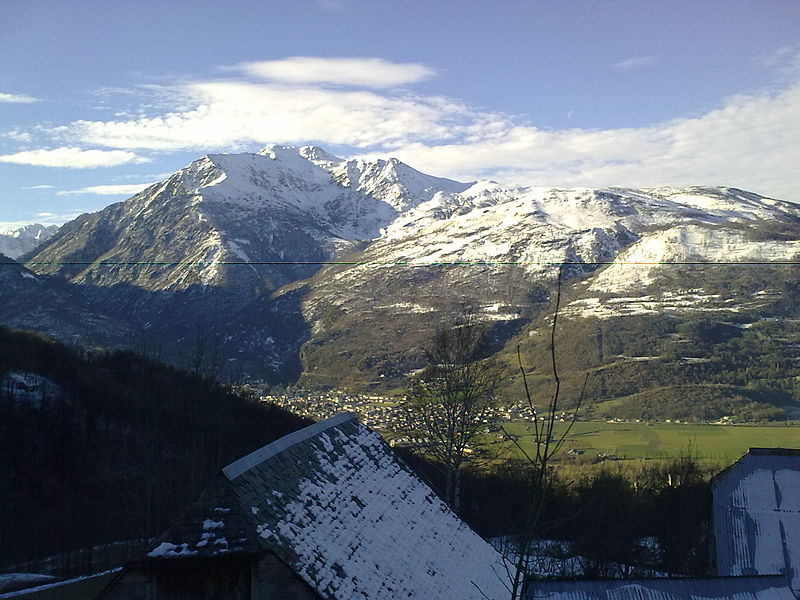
x=757 y=515
x=336 y=506
x=735 y=588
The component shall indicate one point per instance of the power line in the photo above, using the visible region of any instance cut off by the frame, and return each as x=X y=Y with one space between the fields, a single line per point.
x=397 y=263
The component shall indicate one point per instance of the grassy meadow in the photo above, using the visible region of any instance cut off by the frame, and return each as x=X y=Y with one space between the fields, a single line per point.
x=713 y=443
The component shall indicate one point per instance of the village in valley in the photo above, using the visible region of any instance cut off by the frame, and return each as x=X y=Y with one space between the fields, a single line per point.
x=382 y=413
x=400 y=300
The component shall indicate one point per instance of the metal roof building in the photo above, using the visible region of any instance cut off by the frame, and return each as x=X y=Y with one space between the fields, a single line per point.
x=327 y=512
x=756 y=514
x=734 y=588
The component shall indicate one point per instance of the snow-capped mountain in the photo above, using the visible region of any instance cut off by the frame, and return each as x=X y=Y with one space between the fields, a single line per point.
x=16 y=241
x=294 y=260
x=283 y=205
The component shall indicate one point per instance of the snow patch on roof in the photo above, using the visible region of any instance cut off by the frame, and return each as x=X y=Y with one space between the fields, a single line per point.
x=168 y=549
x=358 y=524
x=335 y=504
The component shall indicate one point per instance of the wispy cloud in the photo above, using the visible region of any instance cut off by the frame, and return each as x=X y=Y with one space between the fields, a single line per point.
x=17 y=98
x=360 y=72
x=749 y=141
x=107 y=190
x=51 y=218
x=72 y=158
x=17 y=136
x=43 y=218
x=39 y=187
x=635 y=63
x=229 y=114
x=784 y=62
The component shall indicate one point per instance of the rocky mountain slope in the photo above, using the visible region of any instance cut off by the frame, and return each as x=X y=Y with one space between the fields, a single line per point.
x=50 y=304
x=16 y=241
x=294 y=261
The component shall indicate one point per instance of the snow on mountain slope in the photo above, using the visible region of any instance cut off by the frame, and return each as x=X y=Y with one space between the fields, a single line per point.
x=634 y=268
x=490 y=246
x=16 y=241
x=267 y=207
x=393 y=182
x=251 y=232
x=536 y=227
x=348 y=200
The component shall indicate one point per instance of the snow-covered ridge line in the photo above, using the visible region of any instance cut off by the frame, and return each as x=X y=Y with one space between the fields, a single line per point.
x=361 y=199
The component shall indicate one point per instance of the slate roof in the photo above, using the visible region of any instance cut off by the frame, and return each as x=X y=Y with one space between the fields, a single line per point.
x=333 y=502
x=757 y=515
x=738 y=588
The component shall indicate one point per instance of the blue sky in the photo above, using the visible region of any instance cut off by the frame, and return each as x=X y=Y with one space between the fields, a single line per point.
x=98 y=98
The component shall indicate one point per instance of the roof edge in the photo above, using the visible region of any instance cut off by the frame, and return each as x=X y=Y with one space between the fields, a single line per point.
x=774 y=451
x=247 y=462
x=717 y=478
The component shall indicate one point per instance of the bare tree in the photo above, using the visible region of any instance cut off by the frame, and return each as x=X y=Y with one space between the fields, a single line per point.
x=451 y=400
x=546 y=446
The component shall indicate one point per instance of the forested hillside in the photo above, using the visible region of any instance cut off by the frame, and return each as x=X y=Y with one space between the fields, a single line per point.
x=102 y=447
x=736 y=354
x=105 y=446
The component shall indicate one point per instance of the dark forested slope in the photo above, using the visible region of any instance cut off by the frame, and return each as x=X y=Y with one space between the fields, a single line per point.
x=99 y=446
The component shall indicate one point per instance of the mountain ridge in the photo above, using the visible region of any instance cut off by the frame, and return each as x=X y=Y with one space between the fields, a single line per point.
x=16 y=241
x=243 y=248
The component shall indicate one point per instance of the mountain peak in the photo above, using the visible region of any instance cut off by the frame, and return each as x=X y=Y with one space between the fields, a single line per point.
x=15 y=241
x=313 y=154
x=319 y=156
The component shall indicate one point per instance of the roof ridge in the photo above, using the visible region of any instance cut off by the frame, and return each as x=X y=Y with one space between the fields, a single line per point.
x=774 y=451
x=244 y=464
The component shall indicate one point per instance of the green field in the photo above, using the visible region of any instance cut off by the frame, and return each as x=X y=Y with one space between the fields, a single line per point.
x=723 y=443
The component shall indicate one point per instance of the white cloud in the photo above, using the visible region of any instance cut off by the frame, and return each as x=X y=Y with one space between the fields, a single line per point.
x=361 y=72
x=9 y=226
x=783 y=61
x=44 y=218
x=39 y=187
x=635 y=63
x=108 y=190
x=334 y=6
x=51 y=218
x=750 y=141
x=229 y=114
x=18 y=136
x=17 y=98
x=72 y=158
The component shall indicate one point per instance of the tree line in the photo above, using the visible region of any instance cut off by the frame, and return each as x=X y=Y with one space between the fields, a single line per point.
x=114 y=448
x=615 y=525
